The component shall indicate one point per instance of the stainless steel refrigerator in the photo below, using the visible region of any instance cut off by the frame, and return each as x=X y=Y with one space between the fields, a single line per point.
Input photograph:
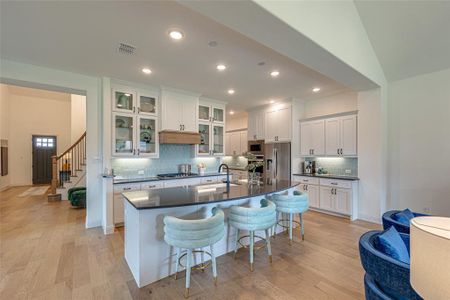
x=277 y=162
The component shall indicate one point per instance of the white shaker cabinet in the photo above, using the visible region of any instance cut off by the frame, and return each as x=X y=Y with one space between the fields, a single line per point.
x=236 y=142
x=256 y=130
x=313 y=193
x=278 y=125
x=312 y=138
x=178 y=111
x=341 y=135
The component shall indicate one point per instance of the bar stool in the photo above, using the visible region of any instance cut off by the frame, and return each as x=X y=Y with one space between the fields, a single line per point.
x=251 y=220
x=194 y=234
x=297 y=203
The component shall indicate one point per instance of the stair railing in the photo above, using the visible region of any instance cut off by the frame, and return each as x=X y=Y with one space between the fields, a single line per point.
x=67 y=164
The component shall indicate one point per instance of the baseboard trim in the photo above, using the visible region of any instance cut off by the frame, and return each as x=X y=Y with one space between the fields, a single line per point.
x=369 y=218
x=108 y=229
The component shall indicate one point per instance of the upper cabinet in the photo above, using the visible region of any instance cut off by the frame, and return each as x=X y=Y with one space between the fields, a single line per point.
x=236 y=142
x=135 y=122
x=278 y=125
x=340 y=136
x=329 y=137
x=211 y=126
x=312 y=135
x=129 y=100
x=256 y=125
x=178 y=111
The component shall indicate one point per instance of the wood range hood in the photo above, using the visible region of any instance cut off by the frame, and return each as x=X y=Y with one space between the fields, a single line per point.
x=179 y=137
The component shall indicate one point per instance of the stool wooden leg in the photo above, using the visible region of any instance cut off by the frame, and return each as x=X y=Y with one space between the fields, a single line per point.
x=269 y=248
x=188 y=272
x=302 y=227
x=236 y=243
x=252 y=234
x=213 y=263
x=177 y=263
x=290 y=228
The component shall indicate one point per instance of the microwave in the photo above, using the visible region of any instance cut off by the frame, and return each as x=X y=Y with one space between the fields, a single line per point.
x=256 y=147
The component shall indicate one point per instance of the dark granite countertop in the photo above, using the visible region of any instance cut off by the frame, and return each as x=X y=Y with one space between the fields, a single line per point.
x=329 y=176
x=201 y=194
x=143 y=179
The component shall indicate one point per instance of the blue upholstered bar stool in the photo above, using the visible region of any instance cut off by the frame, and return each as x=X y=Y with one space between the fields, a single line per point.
x=194 y=234
x=297 y=203
x=253 y=219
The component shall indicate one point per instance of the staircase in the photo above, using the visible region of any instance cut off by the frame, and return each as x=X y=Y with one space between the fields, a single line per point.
x=68 y=170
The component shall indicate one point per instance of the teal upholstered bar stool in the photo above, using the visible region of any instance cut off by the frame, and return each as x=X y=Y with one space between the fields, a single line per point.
x=297 y=203
x=253 y=219
x=194 y=234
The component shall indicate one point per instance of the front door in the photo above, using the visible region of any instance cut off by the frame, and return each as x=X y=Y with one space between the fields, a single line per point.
x=44 y=147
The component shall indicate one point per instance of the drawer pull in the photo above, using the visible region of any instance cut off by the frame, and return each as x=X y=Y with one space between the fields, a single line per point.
x=127 y=189
x=334 y=183
x=152 y=186
x=305 y=180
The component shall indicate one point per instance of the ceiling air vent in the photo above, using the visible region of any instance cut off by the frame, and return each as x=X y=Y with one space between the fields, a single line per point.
x=126 y=49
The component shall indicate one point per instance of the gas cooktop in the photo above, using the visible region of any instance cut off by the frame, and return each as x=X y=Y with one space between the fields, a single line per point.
x=176 y=175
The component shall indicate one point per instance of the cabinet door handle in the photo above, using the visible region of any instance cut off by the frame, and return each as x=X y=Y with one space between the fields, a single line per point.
x=313 y=151
x=306 y=187
x=134 y=151
x=338 y=151
x=341 y=151
x=134 y=109
x=127 y=189
x=139 y=152
x=139 y=110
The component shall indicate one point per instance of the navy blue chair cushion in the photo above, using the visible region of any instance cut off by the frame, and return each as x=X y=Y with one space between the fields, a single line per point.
x=390 y=220
x=390 y=275
x=391 y=244
x=404 y=216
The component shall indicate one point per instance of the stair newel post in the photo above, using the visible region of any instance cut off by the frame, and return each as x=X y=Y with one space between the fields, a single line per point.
x=53 y=196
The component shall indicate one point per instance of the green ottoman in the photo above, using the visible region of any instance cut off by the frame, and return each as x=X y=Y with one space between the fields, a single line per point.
x=77 y=196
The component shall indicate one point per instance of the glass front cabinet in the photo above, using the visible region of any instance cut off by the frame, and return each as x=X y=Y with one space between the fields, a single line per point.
x=211 y=126
x=135 y=123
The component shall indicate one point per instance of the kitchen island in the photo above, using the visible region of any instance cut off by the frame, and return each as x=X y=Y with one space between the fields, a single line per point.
x=148 y=256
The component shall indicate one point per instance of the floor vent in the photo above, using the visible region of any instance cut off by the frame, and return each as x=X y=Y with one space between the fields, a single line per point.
x=126 y=49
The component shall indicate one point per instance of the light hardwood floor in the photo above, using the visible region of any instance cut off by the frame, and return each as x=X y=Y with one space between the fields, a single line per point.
x=46 y=253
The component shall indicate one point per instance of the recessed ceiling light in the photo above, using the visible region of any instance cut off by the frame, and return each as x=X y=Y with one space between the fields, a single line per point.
x=146 y=71
x=274 y=73
x=176 y=35
x=316 y=90
x=272 y=101
x=221 y=67
x=231 y=112
x=231 y=91
x=213 y=44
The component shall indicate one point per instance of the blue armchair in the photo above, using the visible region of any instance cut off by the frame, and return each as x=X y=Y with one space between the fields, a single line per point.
x=386 y=277
x=389 y=220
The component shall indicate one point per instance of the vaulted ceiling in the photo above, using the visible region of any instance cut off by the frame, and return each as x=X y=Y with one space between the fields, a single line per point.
x=409 y=37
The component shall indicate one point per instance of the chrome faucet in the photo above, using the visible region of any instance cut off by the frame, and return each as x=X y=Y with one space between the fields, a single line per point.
x=228 y=174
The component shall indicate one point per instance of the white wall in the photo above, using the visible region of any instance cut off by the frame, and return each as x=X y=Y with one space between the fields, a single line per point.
x=4 y=128
x=77 y=117
x=419 y=143
x=34 y=112
x=370 y=164
x=339 y=103
x=41 y=77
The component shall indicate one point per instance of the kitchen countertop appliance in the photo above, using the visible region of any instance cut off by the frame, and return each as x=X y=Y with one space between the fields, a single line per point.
x=277 y=162
x=309 y=167
x=256 y=147
x=184 y=168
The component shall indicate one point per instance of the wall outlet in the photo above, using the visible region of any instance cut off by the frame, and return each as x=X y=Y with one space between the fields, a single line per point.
x=141 y=172
x=348 y=171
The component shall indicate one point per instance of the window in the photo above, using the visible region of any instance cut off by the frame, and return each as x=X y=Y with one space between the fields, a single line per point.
x=45 y=142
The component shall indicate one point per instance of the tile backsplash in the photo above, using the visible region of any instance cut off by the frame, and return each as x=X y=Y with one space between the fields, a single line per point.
x=170 y=156
x=337 y=165
x=235 y=161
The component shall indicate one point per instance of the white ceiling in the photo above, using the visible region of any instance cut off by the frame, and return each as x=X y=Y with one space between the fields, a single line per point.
x=409 y=37
x=83 y=37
